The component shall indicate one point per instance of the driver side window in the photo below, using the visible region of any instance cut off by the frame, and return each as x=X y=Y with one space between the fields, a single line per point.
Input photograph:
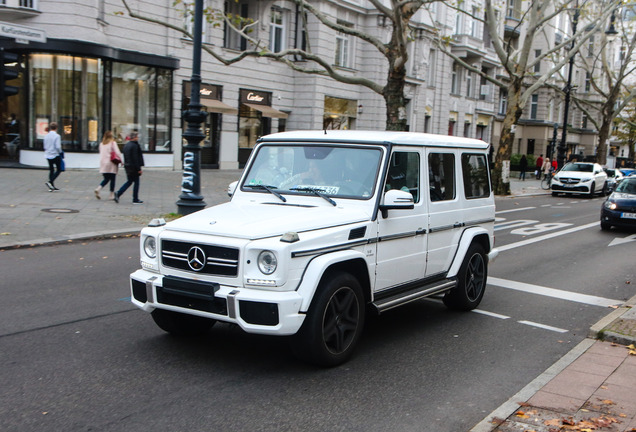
x=404 y=173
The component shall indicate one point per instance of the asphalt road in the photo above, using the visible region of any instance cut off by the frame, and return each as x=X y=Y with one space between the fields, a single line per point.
x=76 y=356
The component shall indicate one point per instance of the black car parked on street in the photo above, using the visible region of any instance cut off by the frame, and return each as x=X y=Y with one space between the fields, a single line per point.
x=620 y=207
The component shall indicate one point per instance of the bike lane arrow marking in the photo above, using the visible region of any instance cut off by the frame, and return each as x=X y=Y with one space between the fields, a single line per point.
x=618 y=241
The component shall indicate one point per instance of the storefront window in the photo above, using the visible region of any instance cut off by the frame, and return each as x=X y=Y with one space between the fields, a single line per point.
x=141 y=103
x=339 y=113
x=67 y=90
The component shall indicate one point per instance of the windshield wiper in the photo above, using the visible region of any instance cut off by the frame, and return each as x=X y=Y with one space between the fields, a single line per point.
x=269 y=189
x=317 y=193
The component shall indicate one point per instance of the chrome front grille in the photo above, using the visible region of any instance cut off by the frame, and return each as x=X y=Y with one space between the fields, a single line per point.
x=568 y=180
x=200 y=258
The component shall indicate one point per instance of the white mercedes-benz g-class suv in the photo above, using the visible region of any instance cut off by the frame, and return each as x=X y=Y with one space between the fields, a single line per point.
x=323 y=227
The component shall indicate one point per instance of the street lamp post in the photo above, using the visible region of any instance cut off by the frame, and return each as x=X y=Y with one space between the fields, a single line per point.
x=190 y=199
x=567 y=90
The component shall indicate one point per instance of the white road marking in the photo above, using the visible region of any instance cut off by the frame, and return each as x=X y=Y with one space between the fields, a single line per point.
x=555 y=293
x=543 y=326
x=490 y=314
x=514 y=210
x=546 y=237
x=514 y=224
x=618 y=241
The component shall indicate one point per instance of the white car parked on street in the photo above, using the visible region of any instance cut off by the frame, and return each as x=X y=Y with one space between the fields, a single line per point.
x=322 y=227
x=580 y=178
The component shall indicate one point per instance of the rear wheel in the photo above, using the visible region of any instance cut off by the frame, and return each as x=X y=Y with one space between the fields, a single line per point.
x=471 y=281
x=605 y=190
x=180 y=324
x=333 y=324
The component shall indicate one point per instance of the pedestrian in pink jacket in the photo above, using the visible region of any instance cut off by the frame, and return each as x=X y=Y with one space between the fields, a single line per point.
x=107 y=167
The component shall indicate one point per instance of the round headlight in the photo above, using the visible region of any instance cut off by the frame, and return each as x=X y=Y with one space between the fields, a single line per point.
x=267 y=262
x=150 y=247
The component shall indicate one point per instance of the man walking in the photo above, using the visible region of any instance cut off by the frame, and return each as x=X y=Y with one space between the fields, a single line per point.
x=539 y=167
x=53 y=154
x=133 y=161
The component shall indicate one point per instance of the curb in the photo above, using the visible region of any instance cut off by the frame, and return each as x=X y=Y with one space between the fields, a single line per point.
x=101 y=235
x=598 y=331
x=509 y=407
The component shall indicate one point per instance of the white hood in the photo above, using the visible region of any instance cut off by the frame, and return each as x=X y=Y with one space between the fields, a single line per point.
x=261 y=220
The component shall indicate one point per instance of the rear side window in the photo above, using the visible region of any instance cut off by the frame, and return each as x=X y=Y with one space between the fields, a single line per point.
x=475 y=171
x=441 y=176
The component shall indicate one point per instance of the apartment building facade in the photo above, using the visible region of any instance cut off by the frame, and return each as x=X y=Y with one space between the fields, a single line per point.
x=100 y=69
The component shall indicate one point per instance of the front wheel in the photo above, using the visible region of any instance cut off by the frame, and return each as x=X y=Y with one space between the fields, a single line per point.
x=471 y=281
x=333 y=324
x=592 y=190
x=545 y=183
x=179 y=324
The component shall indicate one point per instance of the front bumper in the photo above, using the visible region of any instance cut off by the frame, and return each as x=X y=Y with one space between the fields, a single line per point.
x=255 y=311
x=616 y=218
x=579 y=188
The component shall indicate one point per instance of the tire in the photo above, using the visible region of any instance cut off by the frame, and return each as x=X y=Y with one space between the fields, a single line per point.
x=179 y=324
x=471 y=281
x=544 y=184
x=592 y=189
x=554 y=194
x=333 y=324
x=605 y=226
x=605 y=190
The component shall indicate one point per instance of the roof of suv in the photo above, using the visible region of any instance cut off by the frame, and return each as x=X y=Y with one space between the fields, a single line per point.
x=376 y=137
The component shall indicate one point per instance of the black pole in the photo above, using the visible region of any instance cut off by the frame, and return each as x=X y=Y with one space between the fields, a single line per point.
x=190 y=199
x=555 y=133
x=567 y=90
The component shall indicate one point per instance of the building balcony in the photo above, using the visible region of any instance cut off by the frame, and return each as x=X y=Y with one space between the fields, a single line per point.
x=467 y=47
x=18 y=9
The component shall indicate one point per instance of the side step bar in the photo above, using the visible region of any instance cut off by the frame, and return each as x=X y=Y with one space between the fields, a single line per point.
x=413 y=294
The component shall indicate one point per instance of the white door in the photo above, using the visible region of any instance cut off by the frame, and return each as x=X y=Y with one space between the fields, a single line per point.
x=401 y=246
x=446 y=217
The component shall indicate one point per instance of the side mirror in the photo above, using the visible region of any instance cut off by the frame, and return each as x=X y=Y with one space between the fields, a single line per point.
x=396 y=200
x=231 y=188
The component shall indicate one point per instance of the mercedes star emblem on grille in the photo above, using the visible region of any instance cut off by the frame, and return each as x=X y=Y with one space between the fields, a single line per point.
x=196 y=258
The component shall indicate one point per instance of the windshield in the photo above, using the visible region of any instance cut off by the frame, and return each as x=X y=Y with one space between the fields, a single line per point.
x=580 y=167
x=306 y=169
x=627 y=186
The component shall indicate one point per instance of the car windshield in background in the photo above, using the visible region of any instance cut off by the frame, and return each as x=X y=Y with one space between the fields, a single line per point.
x=579 y=167
x=627 y=186
x=304 y=170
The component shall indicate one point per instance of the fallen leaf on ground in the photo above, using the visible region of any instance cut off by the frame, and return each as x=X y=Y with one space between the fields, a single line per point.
x=5 y=233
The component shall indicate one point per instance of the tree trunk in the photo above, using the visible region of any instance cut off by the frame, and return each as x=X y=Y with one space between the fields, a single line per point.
x=501 y=186
x=607 y=111
x=395 y=102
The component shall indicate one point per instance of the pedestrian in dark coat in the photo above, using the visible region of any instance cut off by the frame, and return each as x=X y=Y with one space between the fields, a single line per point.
x=523 y=167
x=133 y=161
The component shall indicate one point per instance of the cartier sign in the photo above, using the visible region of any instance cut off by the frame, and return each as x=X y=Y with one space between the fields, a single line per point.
x=255 y=97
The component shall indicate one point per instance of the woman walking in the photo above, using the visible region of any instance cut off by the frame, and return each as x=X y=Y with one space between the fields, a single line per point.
x=107 y=167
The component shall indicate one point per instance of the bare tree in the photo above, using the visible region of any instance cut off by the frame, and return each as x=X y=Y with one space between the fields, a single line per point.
x=520 y=81
x=607 y=78
x=395 y=51
x=626 y=128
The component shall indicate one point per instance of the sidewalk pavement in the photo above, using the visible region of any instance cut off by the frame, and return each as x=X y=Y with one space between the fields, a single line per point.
x=593 y=387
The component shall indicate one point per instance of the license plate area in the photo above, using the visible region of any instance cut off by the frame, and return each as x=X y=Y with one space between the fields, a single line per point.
x=191 y=295
x=628 y=215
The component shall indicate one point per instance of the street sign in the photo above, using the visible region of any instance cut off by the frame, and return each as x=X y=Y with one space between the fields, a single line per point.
x=22 y=33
